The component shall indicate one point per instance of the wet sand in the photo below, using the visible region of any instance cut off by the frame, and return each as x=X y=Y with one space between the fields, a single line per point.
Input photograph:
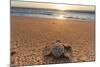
x=30 y=35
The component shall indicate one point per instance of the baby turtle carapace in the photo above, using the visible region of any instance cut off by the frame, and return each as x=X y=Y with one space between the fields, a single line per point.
x=58 y=49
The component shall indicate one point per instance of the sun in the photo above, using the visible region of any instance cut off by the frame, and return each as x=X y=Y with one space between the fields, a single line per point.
x=61 y=7
x=64 y=7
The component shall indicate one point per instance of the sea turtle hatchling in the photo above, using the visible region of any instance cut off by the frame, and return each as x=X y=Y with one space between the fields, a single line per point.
x=58 y=49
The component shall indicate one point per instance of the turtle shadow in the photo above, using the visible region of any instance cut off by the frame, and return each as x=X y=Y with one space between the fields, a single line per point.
x=50 y=59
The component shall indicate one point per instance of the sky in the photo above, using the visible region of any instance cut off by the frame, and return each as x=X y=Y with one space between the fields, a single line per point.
x=79 y=4
x=85 y=2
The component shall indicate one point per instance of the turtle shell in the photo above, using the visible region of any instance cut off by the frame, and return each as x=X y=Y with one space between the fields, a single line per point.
x=57 y=49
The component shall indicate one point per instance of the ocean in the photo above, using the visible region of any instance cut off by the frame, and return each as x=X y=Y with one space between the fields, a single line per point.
x=50 y=13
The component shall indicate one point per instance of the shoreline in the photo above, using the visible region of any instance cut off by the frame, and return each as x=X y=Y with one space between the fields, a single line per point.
x=55 y=18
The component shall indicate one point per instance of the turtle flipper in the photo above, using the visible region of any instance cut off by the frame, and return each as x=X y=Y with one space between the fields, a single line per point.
x=68 y=51
x=46 y=51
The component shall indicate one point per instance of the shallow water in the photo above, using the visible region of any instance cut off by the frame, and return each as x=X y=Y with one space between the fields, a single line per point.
x=47 y=13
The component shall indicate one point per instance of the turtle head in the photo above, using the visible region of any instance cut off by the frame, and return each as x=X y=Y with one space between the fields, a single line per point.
x=58 y=41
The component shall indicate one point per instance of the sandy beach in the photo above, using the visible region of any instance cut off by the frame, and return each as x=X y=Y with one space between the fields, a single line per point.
x=29 y=35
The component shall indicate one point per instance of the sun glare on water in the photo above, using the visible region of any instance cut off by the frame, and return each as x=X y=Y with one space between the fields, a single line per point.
x=60 y=16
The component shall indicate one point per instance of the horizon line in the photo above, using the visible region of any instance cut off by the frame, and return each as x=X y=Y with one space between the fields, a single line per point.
x=53 y=9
